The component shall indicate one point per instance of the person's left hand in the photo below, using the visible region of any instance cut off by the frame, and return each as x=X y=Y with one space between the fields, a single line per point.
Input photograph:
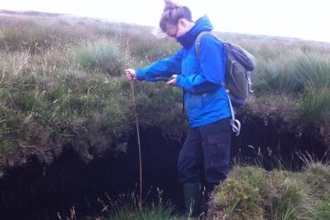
x=172 y=81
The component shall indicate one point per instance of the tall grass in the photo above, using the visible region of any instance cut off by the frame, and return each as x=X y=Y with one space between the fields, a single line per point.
x=252 y=193
x=103 y=55
x=127 y=206
x=312 y=73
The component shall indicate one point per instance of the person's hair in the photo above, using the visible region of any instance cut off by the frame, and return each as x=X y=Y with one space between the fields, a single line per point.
x=172 y=13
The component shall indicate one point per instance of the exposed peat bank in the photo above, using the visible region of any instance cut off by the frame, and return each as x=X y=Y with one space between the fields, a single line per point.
x=39 y=191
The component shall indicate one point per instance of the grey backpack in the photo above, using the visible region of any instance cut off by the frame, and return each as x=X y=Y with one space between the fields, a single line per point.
x=239 y=66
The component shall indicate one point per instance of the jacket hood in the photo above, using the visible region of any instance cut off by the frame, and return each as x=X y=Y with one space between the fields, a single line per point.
x=188 y=39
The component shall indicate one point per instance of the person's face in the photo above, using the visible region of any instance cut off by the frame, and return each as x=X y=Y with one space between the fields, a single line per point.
x=178 y=30
x=172 y=30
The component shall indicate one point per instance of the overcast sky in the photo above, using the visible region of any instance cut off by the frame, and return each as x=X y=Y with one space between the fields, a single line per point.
x=305 y=19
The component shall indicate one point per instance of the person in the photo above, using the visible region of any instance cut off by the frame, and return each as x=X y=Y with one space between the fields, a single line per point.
x=208 y=142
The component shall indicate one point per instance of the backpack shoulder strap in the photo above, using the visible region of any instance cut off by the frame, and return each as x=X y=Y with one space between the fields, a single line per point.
x=198 y=40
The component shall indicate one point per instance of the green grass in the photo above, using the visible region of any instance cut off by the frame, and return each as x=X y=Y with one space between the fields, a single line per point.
x=103 y=55
x=252 y=193
x=127 y=206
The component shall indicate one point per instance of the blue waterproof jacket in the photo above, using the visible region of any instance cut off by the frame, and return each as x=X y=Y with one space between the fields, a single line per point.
x=205 y=100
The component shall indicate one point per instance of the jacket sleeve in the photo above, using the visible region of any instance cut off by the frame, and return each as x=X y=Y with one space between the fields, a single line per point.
x=161 y=70
x=213 y=64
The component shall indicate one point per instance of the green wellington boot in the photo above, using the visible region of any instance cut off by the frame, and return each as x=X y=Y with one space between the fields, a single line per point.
x=191 y=198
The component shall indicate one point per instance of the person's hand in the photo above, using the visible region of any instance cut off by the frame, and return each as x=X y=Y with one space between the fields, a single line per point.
x=130 y=74
x=172 y=81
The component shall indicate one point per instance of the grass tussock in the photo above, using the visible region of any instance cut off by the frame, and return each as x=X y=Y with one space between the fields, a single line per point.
x=253 y=193
x=104 y=55
x=127 y=206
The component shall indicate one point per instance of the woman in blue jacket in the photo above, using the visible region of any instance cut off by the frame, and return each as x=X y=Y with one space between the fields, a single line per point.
x=207 y=145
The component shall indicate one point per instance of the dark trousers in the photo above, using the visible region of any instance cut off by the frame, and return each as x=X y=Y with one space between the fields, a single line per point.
x=206 y=150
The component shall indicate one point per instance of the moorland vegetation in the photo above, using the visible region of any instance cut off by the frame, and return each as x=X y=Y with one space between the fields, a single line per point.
x=62 y=85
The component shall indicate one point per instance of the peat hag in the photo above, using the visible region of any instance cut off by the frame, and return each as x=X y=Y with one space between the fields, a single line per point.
x=40 y=191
